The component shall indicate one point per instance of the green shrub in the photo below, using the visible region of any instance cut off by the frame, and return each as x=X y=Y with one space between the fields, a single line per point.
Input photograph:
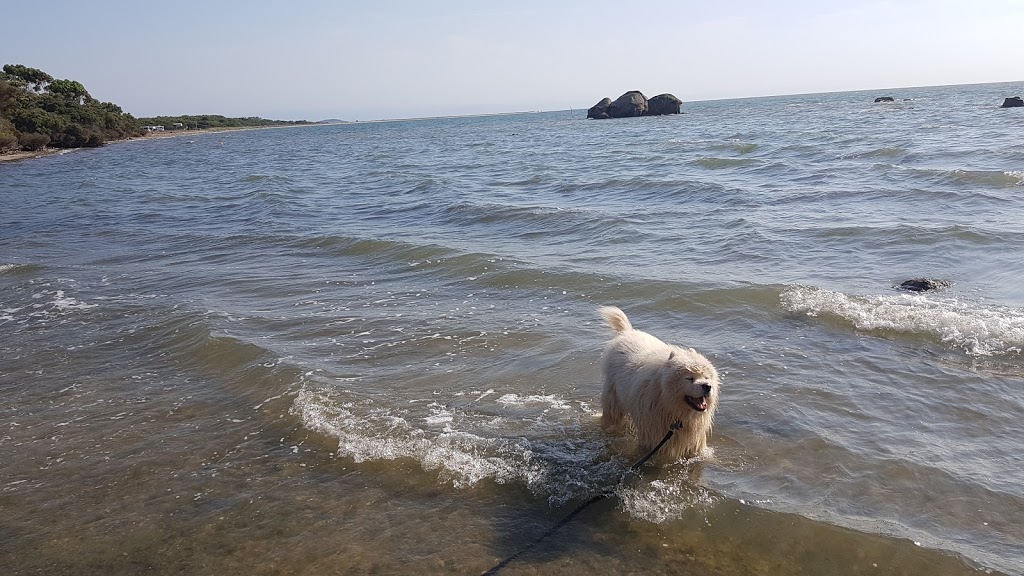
x=94 y=139
x=8 y=142
x=34 y=141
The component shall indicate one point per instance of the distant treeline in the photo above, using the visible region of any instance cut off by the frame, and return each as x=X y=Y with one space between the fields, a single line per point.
x=212 y=121
x=37 y=110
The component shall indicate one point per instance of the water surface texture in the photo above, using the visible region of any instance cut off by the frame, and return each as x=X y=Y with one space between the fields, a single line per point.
x=373 y=348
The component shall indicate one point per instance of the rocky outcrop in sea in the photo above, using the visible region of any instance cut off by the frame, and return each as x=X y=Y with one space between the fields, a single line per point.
x=634 y=103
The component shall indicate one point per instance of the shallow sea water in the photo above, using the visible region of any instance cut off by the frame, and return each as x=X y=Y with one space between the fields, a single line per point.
x=373 y=348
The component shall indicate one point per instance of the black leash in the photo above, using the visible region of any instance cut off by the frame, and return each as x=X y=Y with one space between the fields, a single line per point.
x=596 y=498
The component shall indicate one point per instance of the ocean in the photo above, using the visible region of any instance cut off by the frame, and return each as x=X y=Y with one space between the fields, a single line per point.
x=373 y=348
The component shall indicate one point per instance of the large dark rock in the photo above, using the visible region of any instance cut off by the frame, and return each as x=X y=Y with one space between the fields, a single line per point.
x=885 y=99
x=633 y=104
x=628 y=105
x=599 y=111
x=1014 y=102
x=663 y=104
x=925 y=284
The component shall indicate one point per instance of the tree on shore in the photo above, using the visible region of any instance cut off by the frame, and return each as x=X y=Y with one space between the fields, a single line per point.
x=37 y=110
x=33 y=78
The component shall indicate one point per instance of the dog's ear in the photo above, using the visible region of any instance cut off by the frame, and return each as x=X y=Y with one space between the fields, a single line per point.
x=671 y=355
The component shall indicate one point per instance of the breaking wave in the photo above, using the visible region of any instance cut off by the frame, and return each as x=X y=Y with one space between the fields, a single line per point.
x=549 y=445
x=977 y=328
x=464 y=446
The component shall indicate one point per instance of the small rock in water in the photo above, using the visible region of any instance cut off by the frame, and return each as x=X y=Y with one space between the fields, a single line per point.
x=924 y=284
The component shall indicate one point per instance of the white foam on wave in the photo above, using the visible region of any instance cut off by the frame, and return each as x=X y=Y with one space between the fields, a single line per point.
x=65 y=303
x=366 y=433
x=546 y=400
x=46 y=305
x=548 y=451
x=439 y=415
x=977 y=328
x=661 y=501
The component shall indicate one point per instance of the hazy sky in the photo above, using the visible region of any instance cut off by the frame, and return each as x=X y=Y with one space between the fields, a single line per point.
x=390 y=58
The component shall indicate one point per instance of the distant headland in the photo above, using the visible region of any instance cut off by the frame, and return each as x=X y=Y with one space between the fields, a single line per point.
x=210 y=122
x=42 y=115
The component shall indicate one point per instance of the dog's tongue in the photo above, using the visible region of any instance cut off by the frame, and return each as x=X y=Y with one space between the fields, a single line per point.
x=698 y=403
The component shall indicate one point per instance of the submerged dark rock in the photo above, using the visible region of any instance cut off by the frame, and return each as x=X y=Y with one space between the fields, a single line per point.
x=885 y=99
x=663 y=104
x=1014 y=102
x=599 y=111
x=630 y=104
x=924 y=284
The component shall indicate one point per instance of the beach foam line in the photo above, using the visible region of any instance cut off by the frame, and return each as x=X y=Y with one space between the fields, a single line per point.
x=547 y=451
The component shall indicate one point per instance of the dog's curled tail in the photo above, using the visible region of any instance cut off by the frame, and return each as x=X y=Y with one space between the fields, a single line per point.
x=615 y=318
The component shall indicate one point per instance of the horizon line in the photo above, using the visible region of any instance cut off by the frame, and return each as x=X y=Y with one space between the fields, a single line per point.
x=336 y=121
x=483 y=114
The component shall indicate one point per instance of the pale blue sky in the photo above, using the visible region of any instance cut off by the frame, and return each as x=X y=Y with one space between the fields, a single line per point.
x=394 y=59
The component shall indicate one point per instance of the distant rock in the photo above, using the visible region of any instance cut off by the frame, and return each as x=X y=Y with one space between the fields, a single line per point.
x=633 y=104
x=885 y=99
x=1014 y=102
x=630 y=104
x=663 y=104
x=925 y=284
x=599 y=111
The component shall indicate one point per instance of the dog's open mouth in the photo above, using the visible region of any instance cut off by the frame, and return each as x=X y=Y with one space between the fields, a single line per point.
x=698 y=403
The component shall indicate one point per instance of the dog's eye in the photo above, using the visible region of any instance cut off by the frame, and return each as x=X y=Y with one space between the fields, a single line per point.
x=690 y=379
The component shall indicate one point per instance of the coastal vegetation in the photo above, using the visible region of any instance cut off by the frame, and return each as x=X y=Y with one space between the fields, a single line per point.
x=38 y=110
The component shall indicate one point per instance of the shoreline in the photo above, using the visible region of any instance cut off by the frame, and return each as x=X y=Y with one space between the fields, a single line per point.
x=44 y=152
x=23 y=155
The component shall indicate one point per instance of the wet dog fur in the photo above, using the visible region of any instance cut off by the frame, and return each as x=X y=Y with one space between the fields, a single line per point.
x=653 y=384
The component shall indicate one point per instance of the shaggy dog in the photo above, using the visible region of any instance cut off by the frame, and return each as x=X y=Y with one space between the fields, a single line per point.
x=656 y=385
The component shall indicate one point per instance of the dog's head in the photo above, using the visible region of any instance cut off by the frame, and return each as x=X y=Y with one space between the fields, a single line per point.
x=692 y=380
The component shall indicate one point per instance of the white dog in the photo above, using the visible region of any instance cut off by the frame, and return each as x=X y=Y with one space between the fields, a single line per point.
x=656 y=385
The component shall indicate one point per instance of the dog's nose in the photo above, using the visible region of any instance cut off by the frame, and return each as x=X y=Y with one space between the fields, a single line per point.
x=706 y=388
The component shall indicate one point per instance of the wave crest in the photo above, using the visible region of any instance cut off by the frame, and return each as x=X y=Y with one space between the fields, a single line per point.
x=976 y=328
x=463 y=445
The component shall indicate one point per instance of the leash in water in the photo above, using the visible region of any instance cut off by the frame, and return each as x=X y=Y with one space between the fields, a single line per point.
x=596 y=498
